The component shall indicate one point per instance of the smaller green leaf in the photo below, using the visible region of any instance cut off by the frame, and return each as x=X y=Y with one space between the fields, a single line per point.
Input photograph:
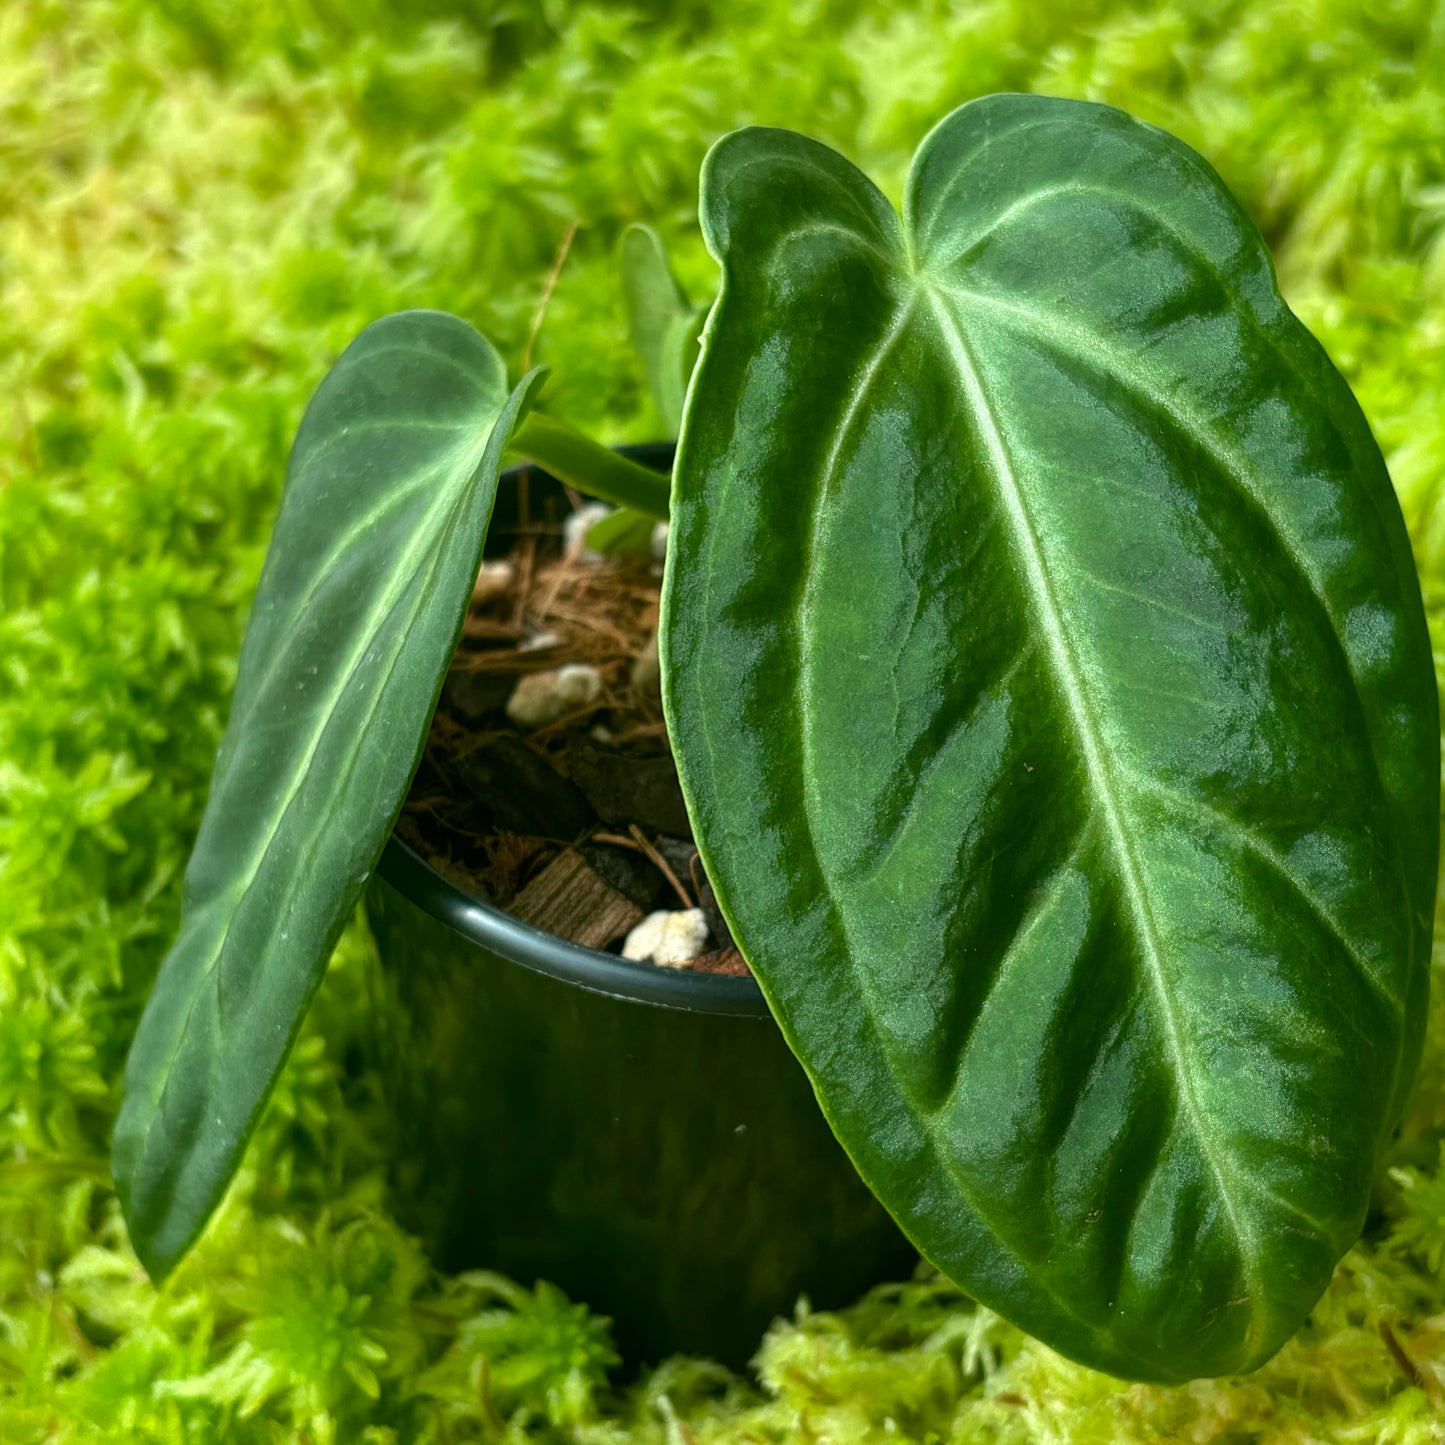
x=371 y=564
x=621 y=533
x=662 y=324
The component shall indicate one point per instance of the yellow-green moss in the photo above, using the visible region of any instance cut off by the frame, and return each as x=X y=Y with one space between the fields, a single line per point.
x=200 y=202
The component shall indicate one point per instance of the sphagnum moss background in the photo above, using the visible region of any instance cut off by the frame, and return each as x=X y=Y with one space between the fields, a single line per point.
x=200 y=202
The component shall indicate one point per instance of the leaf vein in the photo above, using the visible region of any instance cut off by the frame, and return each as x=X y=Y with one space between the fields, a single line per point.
x=1248 y=839
x=1044 y=903
x=401 y=575
x=1098 y=764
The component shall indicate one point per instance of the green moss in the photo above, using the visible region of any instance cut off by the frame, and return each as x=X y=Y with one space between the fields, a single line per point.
x=200 y=203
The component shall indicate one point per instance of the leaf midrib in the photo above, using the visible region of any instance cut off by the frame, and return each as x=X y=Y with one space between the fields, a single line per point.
x=1067 y=669
x=928 y=1125
x=1076 y=342
x=1097 y=763
x=402 y=574
x=927 y=1119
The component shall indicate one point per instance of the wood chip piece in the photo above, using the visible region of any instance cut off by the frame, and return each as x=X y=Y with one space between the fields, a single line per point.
x=623 y=788
x=569 y=899
x=630 y=872
x=520 y=791
x=474 y=693
x=726 y=961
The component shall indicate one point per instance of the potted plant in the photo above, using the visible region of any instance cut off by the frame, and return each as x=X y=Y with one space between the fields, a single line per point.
x=641 y=1135
x=1050 y=689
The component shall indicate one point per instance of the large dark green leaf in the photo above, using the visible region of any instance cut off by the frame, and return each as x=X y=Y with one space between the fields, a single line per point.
x=1054 y=704
x=365 y=586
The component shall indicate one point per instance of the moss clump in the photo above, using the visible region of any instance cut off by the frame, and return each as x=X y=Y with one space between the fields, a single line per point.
x=200 y=203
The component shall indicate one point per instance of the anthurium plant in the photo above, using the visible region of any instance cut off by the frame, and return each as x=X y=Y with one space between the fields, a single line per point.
x=1049 y=684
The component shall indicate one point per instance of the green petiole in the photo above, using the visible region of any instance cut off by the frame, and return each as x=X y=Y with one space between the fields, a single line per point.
x=585 y=464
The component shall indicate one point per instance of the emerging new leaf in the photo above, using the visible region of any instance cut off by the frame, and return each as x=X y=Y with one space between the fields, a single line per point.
x=360 y=603
x=1054 y=704
x=662 y=324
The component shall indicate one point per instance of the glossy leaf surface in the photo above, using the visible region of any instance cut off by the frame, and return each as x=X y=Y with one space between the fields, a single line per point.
x=1052 y=696
x=371 y=564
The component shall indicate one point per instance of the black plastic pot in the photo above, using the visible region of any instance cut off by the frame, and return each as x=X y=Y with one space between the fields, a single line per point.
x=641 y=1137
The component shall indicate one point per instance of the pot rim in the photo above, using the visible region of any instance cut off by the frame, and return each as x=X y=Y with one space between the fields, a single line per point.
x=500 y=933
